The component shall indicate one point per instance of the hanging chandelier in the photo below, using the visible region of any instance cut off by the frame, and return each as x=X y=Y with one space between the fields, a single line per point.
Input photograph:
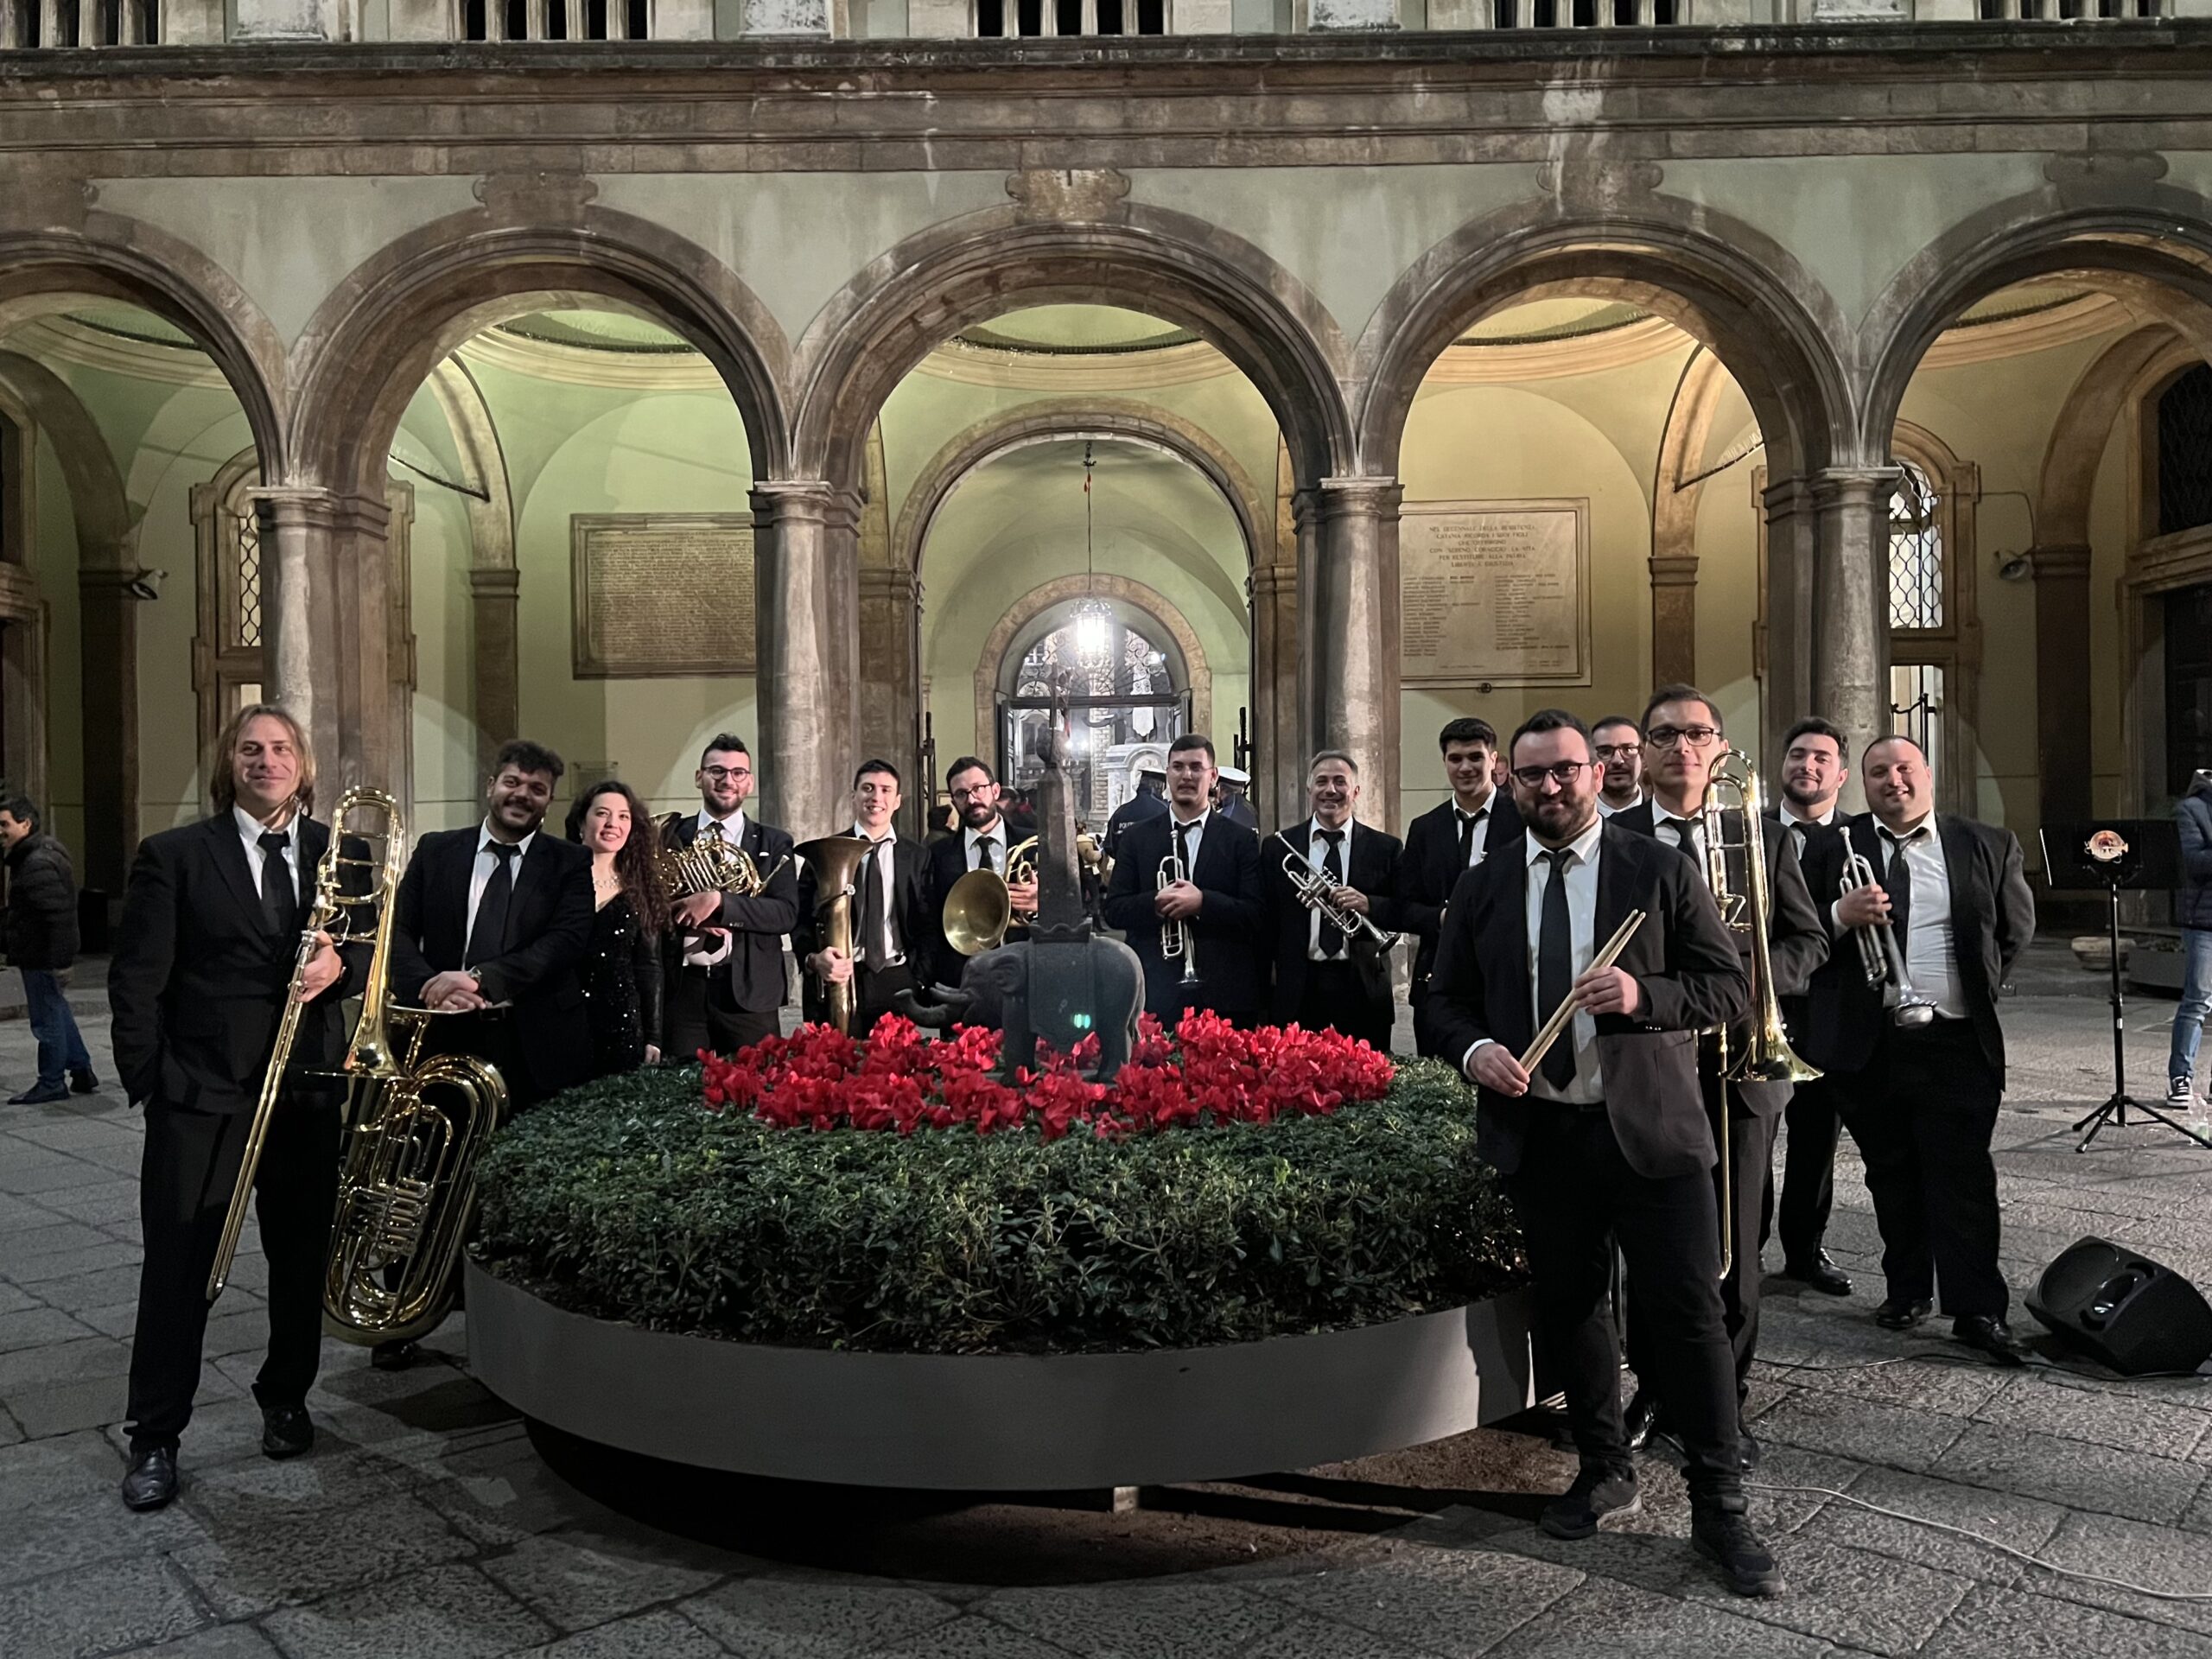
x=1094 y=617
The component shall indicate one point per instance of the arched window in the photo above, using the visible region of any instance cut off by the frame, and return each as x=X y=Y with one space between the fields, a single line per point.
x=1124 y=690
x=2185 y=452
x=1935 y=643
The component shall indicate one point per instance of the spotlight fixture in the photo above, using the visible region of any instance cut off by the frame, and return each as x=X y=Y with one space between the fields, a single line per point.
x=145 y=584
x=2014 y=567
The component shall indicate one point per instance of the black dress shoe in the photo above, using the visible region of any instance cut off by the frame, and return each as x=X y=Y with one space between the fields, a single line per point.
x=1597 y=1493
x=1819 y=1274
x=39 y=1094
x=1726 y=1540
x=84 y=1083
x=1748 y=1449
x=392 y=1356
x=1990 y=1335
x=1637 y=1421
x=286 y=1431
x=152 y=1480
x=1894 y=1315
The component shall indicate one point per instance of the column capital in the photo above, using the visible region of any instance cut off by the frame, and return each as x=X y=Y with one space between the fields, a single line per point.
x=811 y=499
x=494 y=581
x=2060 y=561
x=1340 y=497
x=310 y=508
x=1267 y=581
x=876 y=582
x=1674 y=570
x=1850 y=486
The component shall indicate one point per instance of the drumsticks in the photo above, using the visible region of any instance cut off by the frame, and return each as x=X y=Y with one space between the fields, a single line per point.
x=1564 y=1012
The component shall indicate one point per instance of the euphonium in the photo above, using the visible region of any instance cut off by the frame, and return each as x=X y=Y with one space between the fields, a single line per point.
x=836 y=861
x=979 y=907
x=408 y=1183
x=1731 y=811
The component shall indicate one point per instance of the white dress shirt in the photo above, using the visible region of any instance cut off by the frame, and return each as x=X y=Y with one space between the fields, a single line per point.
x=1196 y=830
x=1317 y=856
x=1687 y=833
x=1607 y=809
x=1588 y=1087
x=732 y=829
x=250 y=831
x=480 y=875
x=732 y=826
x=1931 y=959
x=886 y=876
x=995 y=835
x=1478 y=844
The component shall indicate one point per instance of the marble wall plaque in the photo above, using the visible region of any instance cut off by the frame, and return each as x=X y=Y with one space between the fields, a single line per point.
x=661 y=594
x=1495 y=593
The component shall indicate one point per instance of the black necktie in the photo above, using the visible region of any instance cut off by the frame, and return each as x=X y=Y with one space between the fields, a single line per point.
x=1555 y=967
x=280 y=900
x=487 y=936
x=874 y=942
x=1896 y=881
x=986 y=854
x=1467 y=823
x=1332 y=866
x=1182 y=851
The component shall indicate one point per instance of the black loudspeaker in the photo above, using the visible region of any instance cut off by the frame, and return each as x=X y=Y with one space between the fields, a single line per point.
x=2125 y=1310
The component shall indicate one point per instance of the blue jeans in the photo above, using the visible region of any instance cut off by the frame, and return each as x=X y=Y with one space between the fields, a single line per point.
x=60 y=1047
x=2196 y=999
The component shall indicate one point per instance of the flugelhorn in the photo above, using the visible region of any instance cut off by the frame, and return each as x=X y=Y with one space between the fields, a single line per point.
x=1314 y=890
x=1879 y=955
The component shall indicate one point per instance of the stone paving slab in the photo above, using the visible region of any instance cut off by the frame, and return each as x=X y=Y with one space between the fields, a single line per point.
x=426 y=1523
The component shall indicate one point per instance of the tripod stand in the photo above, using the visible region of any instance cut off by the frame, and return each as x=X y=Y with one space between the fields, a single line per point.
x=2115 y=1111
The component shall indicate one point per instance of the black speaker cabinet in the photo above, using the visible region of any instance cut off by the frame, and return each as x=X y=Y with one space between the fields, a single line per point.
x=2127 y=1311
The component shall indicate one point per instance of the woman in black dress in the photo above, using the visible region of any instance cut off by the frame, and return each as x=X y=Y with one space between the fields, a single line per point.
x=622 y=971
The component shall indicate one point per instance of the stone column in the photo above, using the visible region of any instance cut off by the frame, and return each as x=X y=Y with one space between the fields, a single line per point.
x=1785 y=646
x=1674 y=619
x=806 y=574
x=1348 y=631
x=891 y=683
x=2063 y=756
x=495 y=598
x=107 y=624
x=326 y=630
x=1278 y=779
x=1851 y=634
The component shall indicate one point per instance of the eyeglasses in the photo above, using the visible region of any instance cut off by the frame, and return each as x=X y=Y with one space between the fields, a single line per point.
x=1562 y=773
x=1619 y=751
x=1668 y=737
x=981 y=792
x=724 y=775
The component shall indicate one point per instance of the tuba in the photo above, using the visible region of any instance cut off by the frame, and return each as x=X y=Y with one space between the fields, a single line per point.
x=979 y=907
x=836 y=861
x=1733 y=840
x=407 y=1186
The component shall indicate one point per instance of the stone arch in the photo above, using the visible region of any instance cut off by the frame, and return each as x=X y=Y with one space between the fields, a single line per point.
x=1165 y=263
x=2151 y=244
x=1738 y=292
x=2114 y=381
x=990 y=663
x=375 y=338
x=1121 y=419
x=494 y=583
x=112 y=257
x=1676 y=494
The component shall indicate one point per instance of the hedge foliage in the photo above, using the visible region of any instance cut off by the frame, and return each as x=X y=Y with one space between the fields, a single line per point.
x=625 y=1199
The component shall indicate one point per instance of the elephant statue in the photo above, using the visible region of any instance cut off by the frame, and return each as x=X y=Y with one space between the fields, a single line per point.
x=1060 y=991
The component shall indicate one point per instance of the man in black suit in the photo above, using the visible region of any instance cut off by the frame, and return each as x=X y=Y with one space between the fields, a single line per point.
x=1445 y=842
x=726 y=969
x=1326 y=979
x=204 y=959
x=1149 y=802
x=1921 y=1101
x=1815 y=762
x=893 y=926
x=1219 y=900
x=982 y=841
x=1618 y=742
x=1684 y=737
x=1608 y=1137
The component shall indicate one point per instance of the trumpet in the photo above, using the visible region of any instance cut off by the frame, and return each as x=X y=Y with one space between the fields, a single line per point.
x=979 y=907
x=1731 y=812
x=1175 y=942
x=1880 y=956
x=1316 y=892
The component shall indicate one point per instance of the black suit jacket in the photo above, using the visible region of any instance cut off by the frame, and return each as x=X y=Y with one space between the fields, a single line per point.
x=1992 y=919
x=754 y=969
x=910 y=863
x=1371 y=860
x=1797 y=941
x=1682 y=957
x=1431 y=868
x=1821 y=860
x=1227 y=932
x=198 y=980
x=549 y=930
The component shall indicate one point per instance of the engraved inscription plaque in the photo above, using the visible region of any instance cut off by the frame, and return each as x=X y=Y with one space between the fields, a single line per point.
x=661 y=594
x=1495 y=593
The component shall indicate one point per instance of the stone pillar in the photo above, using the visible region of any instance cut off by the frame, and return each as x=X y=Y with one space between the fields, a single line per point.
x=326 y=630
x=806 y=574
x=1348 y=631
x=1278 y=778
x=495 y=598
x=1850 y=511
x=107 y=625
x=2063 y=757
x=1784 y=647
x=891 y=684
x=1674 y=619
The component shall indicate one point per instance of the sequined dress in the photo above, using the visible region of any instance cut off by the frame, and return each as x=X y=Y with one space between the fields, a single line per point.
x=622 y=985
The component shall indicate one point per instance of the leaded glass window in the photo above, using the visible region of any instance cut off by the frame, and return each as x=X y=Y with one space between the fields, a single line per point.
x=1916 y=552
x=2185 y=452
x=248 y=623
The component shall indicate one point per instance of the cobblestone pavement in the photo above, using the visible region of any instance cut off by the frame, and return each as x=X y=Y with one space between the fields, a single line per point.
x=426 y=1521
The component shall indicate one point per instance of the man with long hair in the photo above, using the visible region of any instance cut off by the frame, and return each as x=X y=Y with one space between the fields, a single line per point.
x=203 y=964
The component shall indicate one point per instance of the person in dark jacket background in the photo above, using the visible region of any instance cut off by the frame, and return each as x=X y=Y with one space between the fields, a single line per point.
x=2193 y=903
x=42 y=941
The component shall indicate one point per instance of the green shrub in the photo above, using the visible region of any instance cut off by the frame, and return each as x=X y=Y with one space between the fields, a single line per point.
x=625 y=1199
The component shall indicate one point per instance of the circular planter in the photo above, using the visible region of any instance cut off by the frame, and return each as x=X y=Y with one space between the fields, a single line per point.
x=1006 y=1422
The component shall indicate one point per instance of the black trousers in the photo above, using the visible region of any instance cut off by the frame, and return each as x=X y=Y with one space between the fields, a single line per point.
x=1576 y=1196
x=1750 y=1157
x=1808 y=1174
x=1923 y=1114
x=702 y=1013
x=1337 y=998
x=873 y=988
x=190 y=1166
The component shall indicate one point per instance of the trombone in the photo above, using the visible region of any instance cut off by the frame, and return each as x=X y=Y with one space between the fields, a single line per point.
x=1732 y=814
x=1313 y=889
x=1175 y=940
x=1879 y=953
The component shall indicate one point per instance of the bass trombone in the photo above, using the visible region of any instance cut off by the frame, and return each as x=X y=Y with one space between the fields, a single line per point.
x=1879 y=955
